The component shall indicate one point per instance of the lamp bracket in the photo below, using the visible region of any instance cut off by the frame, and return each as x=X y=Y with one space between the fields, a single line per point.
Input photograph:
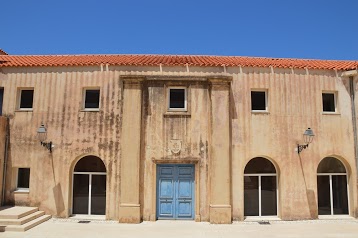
x=301 y=147
x=47 y=145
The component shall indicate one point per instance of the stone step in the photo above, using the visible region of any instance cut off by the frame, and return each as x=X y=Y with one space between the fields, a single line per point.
x=16 y=212
x=28 y=225
x=22 y=220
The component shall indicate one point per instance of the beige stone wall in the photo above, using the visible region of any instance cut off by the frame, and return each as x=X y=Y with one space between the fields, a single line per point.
x=191 y=128
x=3 y=123
x=294 y=101
x=75 y=133
x=355 y=87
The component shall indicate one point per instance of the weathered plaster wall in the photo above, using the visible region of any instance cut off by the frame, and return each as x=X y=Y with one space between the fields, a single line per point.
x=190 y=127
x=294 y=101
x=3 y=123
x=355 y=88
x=75 y=133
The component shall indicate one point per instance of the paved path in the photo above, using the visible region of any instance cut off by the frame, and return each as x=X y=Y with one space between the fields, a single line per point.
x=56 y=228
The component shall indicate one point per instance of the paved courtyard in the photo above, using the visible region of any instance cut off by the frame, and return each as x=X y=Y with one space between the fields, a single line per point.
x=71 y=228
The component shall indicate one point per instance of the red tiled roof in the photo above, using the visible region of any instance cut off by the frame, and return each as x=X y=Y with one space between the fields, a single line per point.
x=170 y=60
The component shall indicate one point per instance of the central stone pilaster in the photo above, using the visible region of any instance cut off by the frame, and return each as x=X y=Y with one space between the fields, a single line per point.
x=220 y=206
x=129 y=210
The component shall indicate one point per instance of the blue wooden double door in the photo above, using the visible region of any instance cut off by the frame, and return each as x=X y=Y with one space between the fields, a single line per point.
x=175 y=191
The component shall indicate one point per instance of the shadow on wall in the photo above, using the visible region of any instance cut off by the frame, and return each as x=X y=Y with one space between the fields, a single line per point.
x=60 y=205
x=311 y=199
x=312 y=204
x=57 y=193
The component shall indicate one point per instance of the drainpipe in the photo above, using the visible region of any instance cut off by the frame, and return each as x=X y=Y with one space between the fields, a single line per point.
x=351 y=86
x=351 y=75
x=7 y=139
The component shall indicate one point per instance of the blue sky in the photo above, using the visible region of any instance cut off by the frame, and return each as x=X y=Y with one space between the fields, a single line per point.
x=322 y=29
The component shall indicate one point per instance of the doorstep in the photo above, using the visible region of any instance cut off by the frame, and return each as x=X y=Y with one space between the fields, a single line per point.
x=335 y=217
x=88 y=217
x=256 y=219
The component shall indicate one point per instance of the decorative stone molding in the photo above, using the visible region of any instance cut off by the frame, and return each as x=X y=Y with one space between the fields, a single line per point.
x=185 y=160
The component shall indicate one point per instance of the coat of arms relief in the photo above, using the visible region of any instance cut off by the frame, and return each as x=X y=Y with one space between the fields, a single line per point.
x=175 y=146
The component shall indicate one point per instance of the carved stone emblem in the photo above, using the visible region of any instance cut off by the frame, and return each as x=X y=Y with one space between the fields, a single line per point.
x=175 y=146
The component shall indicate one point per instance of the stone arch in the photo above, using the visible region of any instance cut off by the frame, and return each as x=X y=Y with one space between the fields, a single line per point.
x=340 y=159
x=273 y=161
x=261 y=187
x=71 y=171
x=333 y=186
x=78 y=158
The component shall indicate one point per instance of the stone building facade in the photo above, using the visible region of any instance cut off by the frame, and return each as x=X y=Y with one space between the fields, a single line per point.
x=204 y=138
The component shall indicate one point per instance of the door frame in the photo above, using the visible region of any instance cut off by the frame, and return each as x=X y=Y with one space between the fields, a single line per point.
x=89 y=191
x=331 y=194
x=194 y=190
x=260 y=198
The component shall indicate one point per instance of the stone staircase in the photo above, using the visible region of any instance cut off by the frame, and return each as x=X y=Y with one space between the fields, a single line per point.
x=21 y=218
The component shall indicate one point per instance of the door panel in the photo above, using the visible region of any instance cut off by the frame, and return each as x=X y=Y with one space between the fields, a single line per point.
x=324 y=197
x=166 y=192
x=184 y=209
x=98 y=195
x=80 y=193
x=251 y=196
x=166 y=188
x=175 y=192
x=184 y=198
x=268 y=196
x=184 y=189
x=340 y=194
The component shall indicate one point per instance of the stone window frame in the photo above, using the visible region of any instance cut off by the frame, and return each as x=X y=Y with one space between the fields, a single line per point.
x=266 y=91
x=83 y=106
x=18 y=99
x=335 y=94
x=21 y=189
x=186 y=98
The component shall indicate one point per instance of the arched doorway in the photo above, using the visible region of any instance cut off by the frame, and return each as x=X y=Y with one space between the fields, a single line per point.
x=260 y=188
x=89 y=186
x=332 y=187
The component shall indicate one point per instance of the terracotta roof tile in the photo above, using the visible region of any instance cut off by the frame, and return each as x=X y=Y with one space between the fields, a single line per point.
x=170 y=60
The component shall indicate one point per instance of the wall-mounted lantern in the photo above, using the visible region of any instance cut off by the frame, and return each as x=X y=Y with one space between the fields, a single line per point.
x=307 y=138
x=42 y=135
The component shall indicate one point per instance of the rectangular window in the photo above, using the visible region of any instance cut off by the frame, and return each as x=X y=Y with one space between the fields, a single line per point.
x=23 y=178
x=177 y=99
x=329 y=102
x=26 y=98
x=259 y=100
x=1 y=99
x=91 y=99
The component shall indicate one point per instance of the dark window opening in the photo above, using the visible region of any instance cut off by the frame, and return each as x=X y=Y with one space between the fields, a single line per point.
x=258 y=100
x=26 y=98
x=328 y=102
x=331 y=165
x=92 y=98
x=90 y=164
x=177 y=99
x=1 y=99
x=23 y=178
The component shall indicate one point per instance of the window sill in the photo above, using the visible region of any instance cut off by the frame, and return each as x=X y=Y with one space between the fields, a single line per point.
x=177 y=110
x=260 y=112
x=176 y=114
x=24 y=110
x=90 y=110
x=331 y=113
x=22 y=191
